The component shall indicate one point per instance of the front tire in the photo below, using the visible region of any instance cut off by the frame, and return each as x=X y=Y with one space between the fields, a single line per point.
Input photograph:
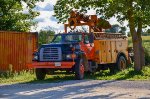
x=40 y=73
x=79 y=69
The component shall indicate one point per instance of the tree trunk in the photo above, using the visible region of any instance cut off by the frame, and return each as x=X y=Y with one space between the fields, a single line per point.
x=142 y=52
x=136 y=39
x=139 y=30
x=137 y=53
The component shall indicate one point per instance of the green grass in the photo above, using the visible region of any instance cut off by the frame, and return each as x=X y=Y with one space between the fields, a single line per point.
x=23 y=76
x=146 y=40
x=29 y=77
x=128 y=74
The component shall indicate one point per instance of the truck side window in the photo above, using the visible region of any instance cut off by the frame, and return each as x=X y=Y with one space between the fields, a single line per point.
x=86 y=39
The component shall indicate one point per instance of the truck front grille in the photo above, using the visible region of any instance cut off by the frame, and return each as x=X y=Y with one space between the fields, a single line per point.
x=51 y=54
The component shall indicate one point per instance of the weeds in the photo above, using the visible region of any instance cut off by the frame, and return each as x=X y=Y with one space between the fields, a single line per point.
x=13 y=77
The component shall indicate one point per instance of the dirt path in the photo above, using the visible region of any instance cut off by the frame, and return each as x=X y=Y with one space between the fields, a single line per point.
x=84 y=89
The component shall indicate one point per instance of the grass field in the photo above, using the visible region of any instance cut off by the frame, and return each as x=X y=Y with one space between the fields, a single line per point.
x=128 y=74
x=146 y=41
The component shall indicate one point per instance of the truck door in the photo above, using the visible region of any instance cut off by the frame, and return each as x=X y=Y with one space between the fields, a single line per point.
x=86 y=45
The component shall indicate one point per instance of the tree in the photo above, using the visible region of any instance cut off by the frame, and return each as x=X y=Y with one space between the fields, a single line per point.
x=45 y=36
x=114 y=29
x=12 y=16
x=136 y=12
x=123 y=30
x=148 y=32
x=117 y=29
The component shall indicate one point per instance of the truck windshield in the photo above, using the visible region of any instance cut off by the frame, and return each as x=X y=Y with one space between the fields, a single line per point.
x=57 y=39
x=67 y=38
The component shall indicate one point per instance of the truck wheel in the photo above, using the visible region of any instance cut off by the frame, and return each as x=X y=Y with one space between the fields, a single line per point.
x=92 y=67
x=40 y=73
x=121 y=63
x=79 y=69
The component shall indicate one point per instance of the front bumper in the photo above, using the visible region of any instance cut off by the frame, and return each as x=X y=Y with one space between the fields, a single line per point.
x=52 y=65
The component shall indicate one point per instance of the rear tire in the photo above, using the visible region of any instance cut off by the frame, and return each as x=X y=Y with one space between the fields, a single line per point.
x=40 y=73
x=79 y=69
x=121 y=63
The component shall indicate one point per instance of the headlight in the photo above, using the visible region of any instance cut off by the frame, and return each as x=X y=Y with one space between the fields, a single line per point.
x=68 y=56
x=71 y=56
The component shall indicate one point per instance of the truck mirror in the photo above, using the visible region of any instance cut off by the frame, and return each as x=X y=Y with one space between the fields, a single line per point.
x=86 y=42
x=91 y=38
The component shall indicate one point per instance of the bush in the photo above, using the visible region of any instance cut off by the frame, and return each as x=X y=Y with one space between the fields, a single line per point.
x=147 y=56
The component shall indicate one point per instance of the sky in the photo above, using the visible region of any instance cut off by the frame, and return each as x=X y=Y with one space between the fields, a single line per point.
x=46 y=20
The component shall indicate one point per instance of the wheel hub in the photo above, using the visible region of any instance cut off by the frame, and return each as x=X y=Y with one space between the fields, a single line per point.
x=81 y=69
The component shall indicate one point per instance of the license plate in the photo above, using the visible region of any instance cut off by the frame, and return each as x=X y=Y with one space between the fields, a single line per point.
x=57 y=64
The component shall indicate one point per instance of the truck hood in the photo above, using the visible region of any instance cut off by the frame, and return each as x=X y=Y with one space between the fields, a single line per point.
x=58 y=44
x=64 y=46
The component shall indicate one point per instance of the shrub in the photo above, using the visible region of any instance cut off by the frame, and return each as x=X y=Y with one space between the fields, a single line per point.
x=147 y=56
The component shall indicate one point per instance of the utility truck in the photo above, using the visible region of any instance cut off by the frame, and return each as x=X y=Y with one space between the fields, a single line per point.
x=80 y=52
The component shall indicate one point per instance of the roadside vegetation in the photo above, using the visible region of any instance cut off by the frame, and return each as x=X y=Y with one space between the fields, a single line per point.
x=29 y=77
x=128 y=74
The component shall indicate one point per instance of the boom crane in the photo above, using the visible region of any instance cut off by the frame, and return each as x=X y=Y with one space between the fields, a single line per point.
x=78 y=19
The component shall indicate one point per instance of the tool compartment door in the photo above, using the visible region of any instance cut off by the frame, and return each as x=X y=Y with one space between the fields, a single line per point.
x=103 y=54
x=108 y=51
x=113 y=51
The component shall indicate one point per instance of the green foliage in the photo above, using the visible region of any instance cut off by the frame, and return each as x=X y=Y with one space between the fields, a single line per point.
x=12 y=16
x=105 y=8
x=147 y=57
x=147 y=53
x=45 y=36
x=117 y=29
x=146 y=33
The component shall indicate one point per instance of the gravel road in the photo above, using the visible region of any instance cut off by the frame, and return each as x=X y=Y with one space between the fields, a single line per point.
x=78 y=89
